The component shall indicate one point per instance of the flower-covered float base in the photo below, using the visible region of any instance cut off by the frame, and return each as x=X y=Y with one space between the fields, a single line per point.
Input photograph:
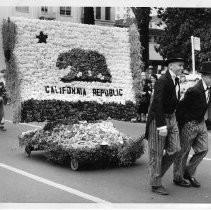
x=81 y=143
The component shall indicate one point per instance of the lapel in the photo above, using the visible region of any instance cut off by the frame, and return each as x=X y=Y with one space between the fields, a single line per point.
x=168 y=76
x=171 y=83
x=202 y=91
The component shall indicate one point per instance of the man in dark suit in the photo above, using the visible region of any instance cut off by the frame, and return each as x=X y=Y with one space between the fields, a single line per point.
x=161 y=128
x=3 y=99
x=193 y=132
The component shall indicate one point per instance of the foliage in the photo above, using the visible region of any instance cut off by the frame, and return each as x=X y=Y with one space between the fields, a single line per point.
x=142 y=15
x=9 y=38
x=81 y=142
x=131 y=151
x=9 y=33
x=86 y=65
x=181 y=24
x=68 y=121
x=136 y=63
x=36 y=62
x=51 y=110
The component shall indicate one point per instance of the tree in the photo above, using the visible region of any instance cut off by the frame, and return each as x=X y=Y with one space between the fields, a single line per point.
x=181 y=24
x=142 y=15
x=89 y=15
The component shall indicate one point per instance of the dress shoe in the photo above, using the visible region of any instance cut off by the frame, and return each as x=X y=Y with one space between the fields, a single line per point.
x=182 y=183
x=193 y=181
x=159 y=190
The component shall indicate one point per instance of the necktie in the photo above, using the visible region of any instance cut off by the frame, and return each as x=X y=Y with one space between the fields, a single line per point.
x=176 y=81
x=177 y=90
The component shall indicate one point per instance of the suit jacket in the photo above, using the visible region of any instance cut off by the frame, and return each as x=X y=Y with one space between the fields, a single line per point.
x=3 y=92
x=193 y=106
x=164 y=101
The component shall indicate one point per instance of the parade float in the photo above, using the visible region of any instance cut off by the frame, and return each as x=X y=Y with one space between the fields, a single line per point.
x=74 y=77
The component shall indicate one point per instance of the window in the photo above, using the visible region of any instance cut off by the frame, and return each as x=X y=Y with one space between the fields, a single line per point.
x=98 y=12
x=44 y=10
x=108 y=13
x=22 y=9
x=65 y=11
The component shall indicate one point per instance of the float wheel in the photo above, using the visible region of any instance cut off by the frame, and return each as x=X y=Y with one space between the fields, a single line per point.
x=74 y=164
x=28 y=151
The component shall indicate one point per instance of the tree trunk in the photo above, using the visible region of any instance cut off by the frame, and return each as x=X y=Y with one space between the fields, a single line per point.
x=142 y=15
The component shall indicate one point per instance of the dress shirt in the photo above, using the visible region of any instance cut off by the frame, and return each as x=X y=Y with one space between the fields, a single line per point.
x=173 y=76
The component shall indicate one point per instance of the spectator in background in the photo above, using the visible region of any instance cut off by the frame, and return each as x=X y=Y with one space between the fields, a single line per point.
x=143 y=75
x=153 y=79
x=183 y=85
x=3 y=99
x=149 y=72
x=144 y=100
x=164 y=70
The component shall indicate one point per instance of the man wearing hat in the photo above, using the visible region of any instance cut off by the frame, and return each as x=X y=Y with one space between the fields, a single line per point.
x=193 y=132
x=161 y=128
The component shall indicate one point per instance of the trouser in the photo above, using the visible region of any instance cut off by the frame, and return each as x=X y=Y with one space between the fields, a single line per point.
x=159 y=162
x=1 y=112
x=195 y=135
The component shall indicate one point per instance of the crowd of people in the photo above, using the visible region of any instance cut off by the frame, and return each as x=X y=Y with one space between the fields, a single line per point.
x=148 y=80
x=175 y=125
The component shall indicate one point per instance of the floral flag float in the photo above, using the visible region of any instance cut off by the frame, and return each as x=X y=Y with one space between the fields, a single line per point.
x=54 y=63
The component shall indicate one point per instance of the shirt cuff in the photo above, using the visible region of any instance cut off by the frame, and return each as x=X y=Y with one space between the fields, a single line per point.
x=161 y=128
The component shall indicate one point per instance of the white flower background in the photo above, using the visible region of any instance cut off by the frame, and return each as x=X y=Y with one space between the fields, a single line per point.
x=36 y=62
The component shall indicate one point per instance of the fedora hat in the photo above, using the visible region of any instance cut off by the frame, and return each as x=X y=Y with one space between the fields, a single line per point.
x=206 y=68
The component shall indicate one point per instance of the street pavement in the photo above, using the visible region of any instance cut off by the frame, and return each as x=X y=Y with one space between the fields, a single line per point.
x=36 y=180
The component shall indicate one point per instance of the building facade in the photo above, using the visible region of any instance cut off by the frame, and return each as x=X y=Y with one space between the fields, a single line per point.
x=104 y=16
x=71 y=14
